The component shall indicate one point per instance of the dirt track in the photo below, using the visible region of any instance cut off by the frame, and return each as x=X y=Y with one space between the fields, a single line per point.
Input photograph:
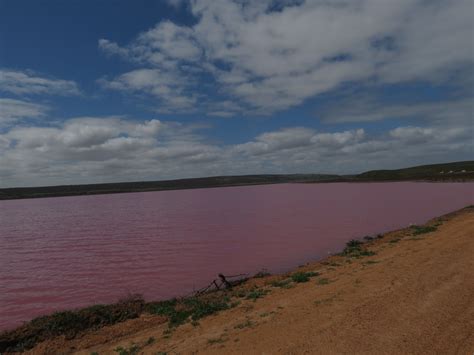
x=414 y=296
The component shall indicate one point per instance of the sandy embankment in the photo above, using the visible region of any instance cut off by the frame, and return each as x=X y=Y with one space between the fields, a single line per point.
x=416 y=295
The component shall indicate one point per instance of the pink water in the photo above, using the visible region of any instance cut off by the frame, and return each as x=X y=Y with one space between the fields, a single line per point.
x=65 y=252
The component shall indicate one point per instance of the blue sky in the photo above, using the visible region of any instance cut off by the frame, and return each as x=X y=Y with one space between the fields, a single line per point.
x=99 y=91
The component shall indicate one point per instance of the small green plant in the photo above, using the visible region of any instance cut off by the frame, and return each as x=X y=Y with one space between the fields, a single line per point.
x=132 y=350
x=354 y=249
x=299 y=277
x=200 y=308
x=417 y=230
x=167 y=333
x=281 y=283
x=94 y=353
x=150 y=341
x=256 y=293
x=190 y=308
x=248 y=323
x=240 y=293
x=353 y=243
x=169 y=309
x=370 y=262
x=216 y=341
x=323 y=281
x=396 y=240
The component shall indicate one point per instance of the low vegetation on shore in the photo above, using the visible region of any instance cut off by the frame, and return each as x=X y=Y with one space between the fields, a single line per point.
x=175 y=311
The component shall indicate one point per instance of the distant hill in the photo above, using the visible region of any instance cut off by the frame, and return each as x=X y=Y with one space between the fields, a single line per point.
x=448 y=171
x=458 y=171
x=140 y=186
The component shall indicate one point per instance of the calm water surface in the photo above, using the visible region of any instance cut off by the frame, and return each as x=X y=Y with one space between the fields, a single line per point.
x=59 y=253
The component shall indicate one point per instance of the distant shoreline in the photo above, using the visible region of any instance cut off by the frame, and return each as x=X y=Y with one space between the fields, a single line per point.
x=449 y=172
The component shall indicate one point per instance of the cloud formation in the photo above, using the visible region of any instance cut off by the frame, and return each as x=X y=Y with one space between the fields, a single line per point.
x=250 y=58
x=107 y=149
x=362 y=108
x=268 y=56
x=13 y=111
x=28 y=83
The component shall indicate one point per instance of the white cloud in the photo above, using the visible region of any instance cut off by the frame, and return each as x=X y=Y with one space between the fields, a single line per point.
x=112 y=48
x=291 y=139
x=413 y=134
x=166 y=86
x=13 y=111
x=268 y=56
x=28 y=83
x=357 y=108
x=431 y=41
x=418 y=135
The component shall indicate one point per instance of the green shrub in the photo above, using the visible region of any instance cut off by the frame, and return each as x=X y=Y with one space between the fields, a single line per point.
x=417 y=230
x=302 y=276
x=353 y=243
x=354 y=249
x=281 y=283
x=256 y=293
x=69 y=323
x=178 y=312
x=246 y=324
x=133 y=350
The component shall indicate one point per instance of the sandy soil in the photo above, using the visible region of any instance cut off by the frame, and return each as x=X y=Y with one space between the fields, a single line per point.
x=414 y=296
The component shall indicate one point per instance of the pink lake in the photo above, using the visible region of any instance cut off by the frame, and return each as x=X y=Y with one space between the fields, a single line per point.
x=66 y=252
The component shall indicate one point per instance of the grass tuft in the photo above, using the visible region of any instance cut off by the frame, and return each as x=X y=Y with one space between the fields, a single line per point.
x=370 y=262
x=247 y=324
x=216 y=341
x=323 y=281
x=281 y=283
x=179 y=312
x=417 y=230
x=132 y=350
x=300 y=277
x=354 y=249
x=256 y=293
